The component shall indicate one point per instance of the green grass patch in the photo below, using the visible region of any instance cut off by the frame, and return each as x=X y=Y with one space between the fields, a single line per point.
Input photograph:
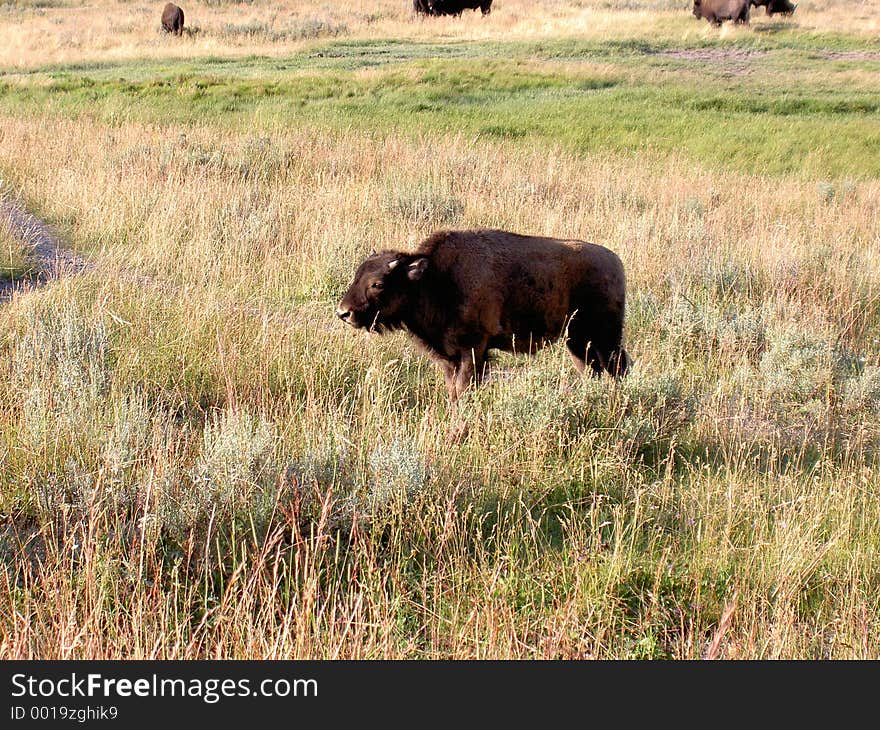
x=774 y=114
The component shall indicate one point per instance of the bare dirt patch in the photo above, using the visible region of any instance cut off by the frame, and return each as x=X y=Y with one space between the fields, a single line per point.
x=711 y=54
x=52 y=260
x=719 y=61
x=716 y=61
x=851 y=55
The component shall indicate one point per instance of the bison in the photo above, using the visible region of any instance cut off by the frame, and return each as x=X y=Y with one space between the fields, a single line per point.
x=783 y=7
x=461 y=293
x=716 y=11
x=172 y=19
x=451 y=7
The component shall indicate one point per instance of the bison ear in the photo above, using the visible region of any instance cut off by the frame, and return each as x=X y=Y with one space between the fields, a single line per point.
x=417 y=268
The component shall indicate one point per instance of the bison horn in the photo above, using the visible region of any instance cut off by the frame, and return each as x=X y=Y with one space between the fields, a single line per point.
x=417 y=268
x=393 y=263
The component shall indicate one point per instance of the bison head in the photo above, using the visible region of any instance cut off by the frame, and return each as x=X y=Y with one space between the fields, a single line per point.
x=382 y=290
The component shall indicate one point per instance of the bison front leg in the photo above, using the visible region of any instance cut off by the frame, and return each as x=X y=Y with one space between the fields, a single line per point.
x=448 y=369
x=471 y=369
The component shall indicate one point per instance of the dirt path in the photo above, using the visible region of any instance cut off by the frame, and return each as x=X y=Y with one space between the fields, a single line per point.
x=52 y=260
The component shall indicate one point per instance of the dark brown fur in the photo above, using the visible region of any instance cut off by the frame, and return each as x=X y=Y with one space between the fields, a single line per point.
x=782 y=7
x=461 y=293
x=451 y=7
x=716 y=11
x=172 y=19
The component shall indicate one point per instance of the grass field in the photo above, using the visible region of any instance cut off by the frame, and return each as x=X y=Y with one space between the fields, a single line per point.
x=198 y=460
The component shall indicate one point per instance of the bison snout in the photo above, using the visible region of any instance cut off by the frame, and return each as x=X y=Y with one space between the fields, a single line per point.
x=343 y=314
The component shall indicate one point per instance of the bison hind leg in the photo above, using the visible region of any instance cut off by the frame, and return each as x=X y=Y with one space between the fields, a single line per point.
x=585 y=354
x=583 y=347
x=600 y=348
x=577 y=344
x=619 y=363
x=579 y=360
x=612 y=360
x=609 y=359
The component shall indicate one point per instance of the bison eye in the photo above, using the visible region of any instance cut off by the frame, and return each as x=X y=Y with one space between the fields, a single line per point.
x=377 y=285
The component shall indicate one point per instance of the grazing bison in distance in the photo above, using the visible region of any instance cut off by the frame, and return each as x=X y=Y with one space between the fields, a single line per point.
x=172 y=19
x=782 y=7
x=716 y=11
x=451 y=7
x=461 y=293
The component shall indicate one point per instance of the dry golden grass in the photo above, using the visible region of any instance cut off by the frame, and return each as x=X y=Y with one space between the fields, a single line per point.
x=13 y=255
x=197 y=460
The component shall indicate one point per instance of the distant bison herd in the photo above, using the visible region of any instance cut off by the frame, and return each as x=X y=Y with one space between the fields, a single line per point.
x=781 y=7
x=451 y=7
x=172 y=15
x=715 y=11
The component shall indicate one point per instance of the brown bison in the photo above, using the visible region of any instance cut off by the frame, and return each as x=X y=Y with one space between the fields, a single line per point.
x=451 y=7
x=172 y=19
x=716 y=11
x=461 y=293
x=782 y=7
